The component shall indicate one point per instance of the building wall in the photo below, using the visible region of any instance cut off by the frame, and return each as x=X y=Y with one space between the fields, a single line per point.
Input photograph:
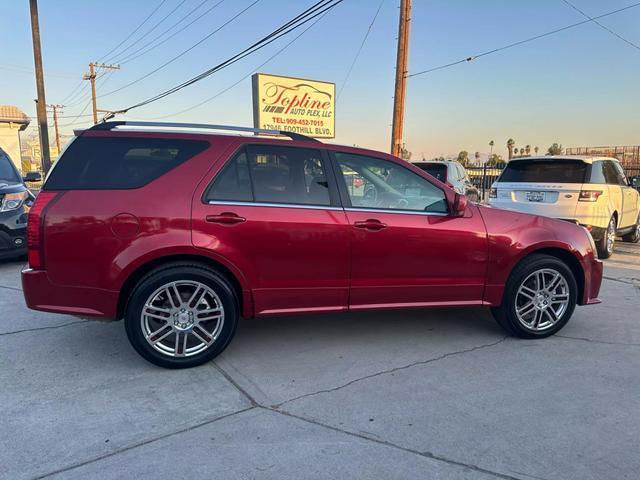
x=10 y=142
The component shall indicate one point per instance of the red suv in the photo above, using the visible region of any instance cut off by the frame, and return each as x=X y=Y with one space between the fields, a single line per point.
x=180 y=231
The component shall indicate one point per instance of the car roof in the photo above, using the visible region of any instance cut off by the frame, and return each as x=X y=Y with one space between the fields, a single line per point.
x=583 y=158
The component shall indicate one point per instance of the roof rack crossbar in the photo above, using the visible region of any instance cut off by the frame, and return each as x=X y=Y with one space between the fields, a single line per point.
x=201 y=126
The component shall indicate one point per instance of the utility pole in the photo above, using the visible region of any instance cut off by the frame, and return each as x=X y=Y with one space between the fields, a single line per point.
x=401 y=77
x=55 y=109
x=41 y=103
x=91 y=76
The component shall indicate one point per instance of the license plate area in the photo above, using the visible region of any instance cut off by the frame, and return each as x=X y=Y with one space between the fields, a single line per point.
x=535 y=196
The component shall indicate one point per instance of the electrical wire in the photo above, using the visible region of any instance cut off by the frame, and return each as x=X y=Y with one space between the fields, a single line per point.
x=237 y=82
x=144 y=35
x=527 y=40
x=184 y=52
x=309 y=14
x=135 y=30
x=135 y=54
x=355 y=59
x=604 y=27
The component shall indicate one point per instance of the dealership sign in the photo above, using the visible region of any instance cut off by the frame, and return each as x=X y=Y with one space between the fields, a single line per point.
x=294 y=105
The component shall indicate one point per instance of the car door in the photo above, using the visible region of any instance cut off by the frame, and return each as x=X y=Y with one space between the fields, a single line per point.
x=616 y=194
x=406 y=249
x=273 y=212
x=629 y=199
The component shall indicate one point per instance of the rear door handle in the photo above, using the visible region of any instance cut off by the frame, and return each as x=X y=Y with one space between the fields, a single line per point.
x=226 y=218
x=370 y=224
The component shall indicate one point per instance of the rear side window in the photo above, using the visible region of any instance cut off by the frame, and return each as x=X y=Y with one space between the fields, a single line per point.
x=113 y=163
x=544 y=171
x=597 y=173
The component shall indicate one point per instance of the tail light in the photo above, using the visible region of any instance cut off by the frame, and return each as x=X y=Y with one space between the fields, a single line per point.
x=589 y=195
x=493 y=193
x=35 y=230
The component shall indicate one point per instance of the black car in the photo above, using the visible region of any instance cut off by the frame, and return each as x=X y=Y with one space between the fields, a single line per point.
x=15 y=200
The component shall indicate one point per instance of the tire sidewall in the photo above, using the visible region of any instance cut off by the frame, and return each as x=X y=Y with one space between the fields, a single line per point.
x=150 y=284
x=513 y=284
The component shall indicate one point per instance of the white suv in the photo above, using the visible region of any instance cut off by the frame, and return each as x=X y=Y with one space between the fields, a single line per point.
x=591 y=191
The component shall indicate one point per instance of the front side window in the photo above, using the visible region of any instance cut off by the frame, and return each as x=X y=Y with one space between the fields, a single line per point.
x=380 y=184
x=7 y=171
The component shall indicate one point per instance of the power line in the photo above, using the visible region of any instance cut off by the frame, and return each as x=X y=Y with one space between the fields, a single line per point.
x=237 y=82
x=134 y=55
x=355 y=59
x=604 y=27
x=184 y=52
x=317 y=9
x=144 y=35
x=515 y=44
x=135 y=30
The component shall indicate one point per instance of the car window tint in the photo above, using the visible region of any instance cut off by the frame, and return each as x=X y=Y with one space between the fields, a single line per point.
x=435 y=170
x=544 y=171
x=375 y=183
x=622 y=179
x=232 y=183
x=7 y=171
x=610 y=173
x=288 y=175
x=597 y=173
x=104 y=163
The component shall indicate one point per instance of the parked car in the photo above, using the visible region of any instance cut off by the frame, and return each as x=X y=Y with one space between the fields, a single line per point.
x=15 y=200
x=180 y=233
x=590 y=191
x=453 y=174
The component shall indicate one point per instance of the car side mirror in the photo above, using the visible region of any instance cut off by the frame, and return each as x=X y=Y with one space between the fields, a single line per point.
x=32 y=177
x=459 y=205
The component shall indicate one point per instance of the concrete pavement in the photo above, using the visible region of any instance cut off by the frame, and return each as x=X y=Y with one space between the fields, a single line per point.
x=402 y=395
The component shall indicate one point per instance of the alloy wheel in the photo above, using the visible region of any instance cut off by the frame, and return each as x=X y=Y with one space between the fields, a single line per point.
x=611 y=235
x=182 y=319
x=542 y=299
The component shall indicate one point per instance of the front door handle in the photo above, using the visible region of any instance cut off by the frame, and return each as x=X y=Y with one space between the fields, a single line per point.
x=370 y=224
x=226 y=218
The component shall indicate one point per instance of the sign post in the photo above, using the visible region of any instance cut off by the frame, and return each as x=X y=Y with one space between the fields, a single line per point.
x=294 y=105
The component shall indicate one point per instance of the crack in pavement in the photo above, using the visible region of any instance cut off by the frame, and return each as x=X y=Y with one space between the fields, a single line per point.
x=424 y=454
x=604 y=342
x=141 y=444
x=395 y=369
x=43 y=328
x=634 y=282
x=11 y=288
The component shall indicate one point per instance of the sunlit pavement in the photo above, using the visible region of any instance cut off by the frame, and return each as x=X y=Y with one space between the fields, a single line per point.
x=395 y=395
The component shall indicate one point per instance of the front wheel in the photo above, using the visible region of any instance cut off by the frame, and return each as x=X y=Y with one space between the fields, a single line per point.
x=181 y=316
x=539 y=298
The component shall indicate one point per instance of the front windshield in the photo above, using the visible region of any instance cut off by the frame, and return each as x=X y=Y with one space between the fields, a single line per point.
x=7 y=172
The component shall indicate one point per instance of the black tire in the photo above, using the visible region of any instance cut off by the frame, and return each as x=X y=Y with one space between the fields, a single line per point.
x=506 y=315
x=633 y=237
x=180 y=272
x=602 y=246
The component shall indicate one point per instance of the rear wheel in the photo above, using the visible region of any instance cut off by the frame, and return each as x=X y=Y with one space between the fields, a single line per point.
x=181 y=316
x=605 y=244
x=634 y=236
x=539 y=298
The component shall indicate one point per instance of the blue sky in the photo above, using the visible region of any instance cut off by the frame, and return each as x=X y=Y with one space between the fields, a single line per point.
x=578 y=87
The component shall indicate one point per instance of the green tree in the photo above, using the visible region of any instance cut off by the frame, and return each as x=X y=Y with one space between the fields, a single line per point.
x=510 y=144
x=463 y=158
x=527 y=149
x=535 y=149
x=495 y=160
x=555 y=149
x=477 y=157
x=405 y=154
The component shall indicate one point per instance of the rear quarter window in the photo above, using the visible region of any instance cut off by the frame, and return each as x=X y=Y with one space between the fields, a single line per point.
x=545 y=171
x=114 y=163
x=435 y=170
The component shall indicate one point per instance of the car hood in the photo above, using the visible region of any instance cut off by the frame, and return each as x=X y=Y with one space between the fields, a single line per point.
x=10 y=187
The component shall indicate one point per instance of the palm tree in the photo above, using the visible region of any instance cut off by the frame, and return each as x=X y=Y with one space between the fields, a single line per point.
x=491 y=144
x=510 y=144
x=535 y=149
x=477 y=155
x=528 y=149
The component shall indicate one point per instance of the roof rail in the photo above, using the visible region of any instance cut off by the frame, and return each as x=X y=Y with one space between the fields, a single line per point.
x=199 y=126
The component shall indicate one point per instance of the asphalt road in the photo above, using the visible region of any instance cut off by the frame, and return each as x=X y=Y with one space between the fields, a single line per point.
x=438 y=394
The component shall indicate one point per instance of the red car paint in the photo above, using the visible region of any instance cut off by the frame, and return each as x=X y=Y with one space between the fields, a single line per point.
x=96 y=243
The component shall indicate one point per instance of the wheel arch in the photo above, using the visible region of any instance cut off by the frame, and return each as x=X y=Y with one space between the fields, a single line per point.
x=243 y=295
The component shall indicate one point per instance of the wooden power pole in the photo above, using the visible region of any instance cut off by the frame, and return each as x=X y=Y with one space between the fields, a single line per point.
x=91 y=76
x=55 y=109
x=401 y=78
x=41 y=104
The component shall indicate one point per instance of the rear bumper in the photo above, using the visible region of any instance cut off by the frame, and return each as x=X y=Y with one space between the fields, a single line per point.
x=593 y=269
x=41 y=294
